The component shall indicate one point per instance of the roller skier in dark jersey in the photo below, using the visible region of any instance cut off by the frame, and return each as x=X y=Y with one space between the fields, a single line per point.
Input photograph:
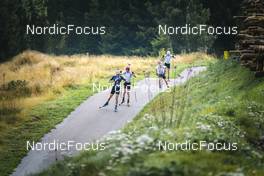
x=117 y=79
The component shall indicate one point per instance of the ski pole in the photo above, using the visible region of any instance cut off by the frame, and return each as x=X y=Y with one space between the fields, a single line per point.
x=135 y=91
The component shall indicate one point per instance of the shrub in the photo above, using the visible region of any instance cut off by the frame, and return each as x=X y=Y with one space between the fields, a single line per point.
x=37 y=89
x=27 y=58
x=19 y=88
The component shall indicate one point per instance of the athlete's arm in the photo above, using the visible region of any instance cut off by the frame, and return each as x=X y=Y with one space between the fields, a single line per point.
x=122 y=78
x=112 y=79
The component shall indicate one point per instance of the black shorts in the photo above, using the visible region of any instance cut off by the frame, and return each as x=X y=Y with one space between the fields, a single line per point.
x=127 y=86
x=167 y=65
x=162 y=76
x=115 y=89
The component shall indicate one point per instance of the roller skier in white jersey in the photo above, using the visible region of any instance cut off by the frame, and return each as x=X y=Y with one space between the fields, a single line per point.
x=167 y=62
x=127 y=75
x=161 y=73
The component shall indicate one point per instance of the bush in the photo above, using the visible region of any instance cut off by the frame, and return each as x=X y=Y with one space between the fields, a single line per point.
x=37 y=89
x=19 y=87
x=27 y=58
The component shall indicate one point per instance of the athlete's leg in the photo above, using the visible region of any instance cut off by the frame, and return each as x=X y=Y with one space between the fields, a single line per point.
x=160 y=83
x=128 y=97
x=128 y=93
x=107 y=102
x=124 y=95
x=116 y=101
x=166 y=82
x=110 y=97
x=168 y=74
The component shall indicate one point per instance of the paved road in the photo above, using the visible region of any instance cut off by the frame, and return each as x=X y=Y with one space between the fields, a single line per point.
x=89 y=123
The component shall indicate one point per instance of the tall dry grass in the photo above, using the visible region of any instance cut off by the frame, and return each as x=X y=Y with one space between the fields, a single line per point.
x=46 y=75
x=43 y=71
x=192 y=57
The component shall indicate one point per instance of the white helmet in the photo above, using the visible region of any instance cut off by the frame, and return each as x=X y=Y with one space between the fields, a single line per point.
x=168 y=52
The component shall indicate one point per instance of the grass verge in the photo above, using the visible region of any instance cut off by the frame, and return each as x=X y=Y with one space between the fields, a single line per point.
x=223 y=105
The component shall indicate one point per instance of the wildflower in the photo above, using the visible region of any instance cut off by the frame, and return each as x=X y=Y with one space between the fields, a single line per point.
x=203 y=127
x=144 y=139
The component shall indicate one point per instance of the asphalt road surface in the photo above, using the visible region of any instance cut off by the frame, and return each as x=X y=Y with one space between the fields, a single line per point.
x=88 y=123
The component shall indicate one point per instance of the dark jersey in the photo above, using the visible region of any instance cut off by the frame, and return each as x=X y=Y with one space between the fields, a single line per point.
x=117 y=80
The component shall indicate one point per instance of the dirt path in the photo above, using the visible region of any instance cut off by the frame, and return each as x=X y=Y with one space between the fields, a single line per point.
x=89 y=123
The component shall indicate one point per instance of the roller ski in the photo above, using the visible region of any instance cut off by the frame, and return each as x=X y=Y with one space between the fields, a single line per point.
x=106 y=104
